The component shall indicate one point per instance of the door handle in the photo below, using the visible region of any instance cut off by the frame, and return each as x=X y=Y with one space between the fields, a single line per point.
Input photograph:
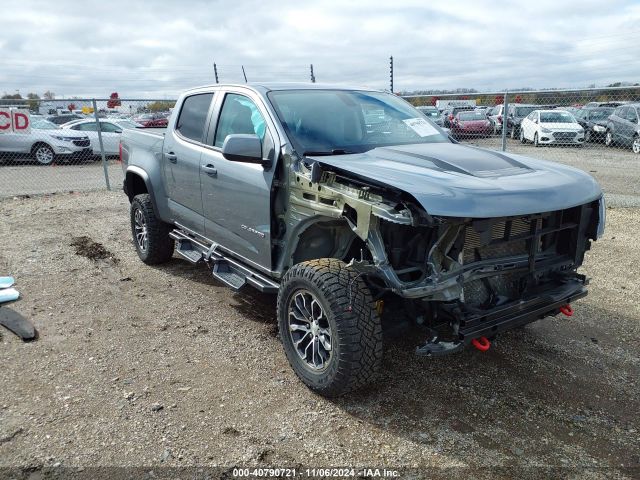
x=210 y=170
x=172 y=157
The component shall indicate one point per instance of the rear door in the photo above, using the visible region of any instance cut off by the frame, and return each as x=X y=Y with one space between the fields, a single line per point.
x=181 y=150
x=236 y=196
x=630 y=124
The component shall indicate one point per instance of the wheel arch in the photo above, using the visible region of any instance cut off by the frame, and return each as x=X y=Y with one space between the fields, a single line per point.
x=137 y=182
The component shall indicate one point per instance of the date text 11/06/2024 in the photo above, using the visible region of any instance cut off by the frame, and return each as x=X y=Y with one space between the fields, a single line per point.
x=315 y=472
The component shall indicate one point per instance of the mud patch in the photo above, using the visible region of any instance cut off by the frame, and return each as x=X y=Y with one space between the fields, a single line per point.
x=86 y=247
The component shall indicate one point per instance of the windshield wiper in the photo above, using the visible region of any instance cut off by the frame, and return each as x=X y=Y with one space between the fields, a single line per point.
x=327 y=153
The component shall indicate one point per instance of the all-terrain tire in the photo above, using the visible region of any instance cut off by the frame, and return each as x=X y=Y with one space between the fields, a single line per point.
x=158 y=247
x=356 y=330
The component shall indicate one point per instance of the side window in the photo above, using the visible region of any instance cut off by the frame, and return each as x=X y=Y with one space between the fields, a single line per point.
x=631 y=115
x=193 y=116
x=239 y=115
x=620 y=112
x=88 y=127
x=108 y=127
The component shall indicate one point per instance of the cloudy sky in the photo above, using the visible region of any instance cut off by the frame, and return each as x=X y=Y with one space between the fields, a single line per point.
x=157 y=48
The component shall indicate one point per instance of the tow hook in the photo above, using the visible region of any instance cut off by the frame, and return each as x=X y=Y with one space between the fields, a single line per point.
x=566 y=310
x=481 y=343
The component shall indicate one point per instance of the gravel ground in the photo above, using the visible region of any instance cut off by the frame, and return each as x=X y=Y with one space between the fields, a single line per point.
x=142 y=366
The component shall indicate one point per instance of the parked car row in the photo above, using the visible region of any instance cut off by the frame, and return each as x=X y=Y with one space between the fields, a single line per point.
x=73 y=141
x=611 y=123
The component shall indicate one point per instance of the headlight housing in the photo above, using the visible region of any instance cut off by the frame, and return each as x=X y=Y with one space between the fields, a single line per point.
x=545 y=130
x=599 y=128
x=64 y=139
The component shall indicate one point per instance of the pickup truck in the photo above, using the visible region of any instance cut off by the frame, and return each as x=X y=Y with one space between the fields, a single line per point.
x=352 y=206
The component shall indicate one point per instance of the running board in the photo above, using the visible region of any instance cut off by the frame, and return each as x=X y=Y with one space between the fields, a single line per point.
x=227 y=270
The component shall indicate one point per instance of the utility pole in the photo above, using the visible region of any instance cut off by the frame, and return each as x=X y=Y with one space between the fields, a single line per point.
x=313 y=77
x=215 y=71
x=245 y=75
x=391 y=72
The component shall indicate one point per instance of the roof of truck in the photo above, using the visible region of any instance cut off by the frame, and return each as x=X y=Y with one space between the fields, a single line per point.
x=269 y=86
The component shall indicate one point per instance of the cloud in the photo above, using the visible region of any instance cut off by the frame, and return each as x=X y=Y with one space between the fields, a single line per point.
x=155 y=49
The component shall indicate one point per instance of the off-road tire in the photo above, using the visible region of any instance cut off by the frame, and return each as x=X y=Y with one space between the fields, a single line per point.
x=159 y=245
x=356 y=330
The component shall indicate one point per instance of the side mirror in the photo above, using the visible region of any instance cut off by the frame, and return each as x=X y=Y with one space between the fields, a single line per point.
x=241 y=147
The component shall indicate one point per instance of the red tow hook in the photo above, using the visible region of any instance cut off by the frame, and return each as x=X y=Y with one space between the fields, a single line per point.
x=482 y=343
x=566 y=310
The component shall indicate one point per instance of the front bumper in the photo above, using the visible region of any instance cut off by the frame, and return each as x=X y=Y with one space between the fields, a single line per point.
x=561 y=138
x=506 y=317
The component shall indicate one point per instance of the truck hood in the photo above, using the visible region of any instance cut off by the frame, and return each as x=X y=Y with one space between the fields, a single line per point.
x=456 y=180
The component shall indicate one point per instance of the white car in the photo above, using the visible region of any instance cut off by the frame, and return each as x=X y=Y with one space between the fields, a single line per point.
x=111 y=132
x=45 y=144
x=545 y=127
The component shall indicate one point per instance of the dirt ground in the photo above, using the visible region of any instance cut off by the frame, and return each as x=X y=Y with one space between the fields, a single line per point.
x=141 y=366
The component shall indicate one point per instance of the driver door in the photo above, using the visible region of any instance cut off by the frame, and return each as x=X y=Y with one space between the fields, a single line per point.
x=236 y=196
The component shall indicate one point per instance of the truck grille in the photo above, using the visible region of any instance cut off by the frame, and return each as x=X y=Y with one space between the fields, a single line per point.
x=541 y=243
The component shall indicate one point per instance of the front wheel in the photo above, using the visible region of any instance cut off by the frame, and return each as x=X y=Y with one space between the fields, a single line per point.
x=329 y=327
x=608 y=139
x=535 y=140
x=513 y=133
x=522 y=139
x=43 y=154
x=635 y=146
x=150 y=234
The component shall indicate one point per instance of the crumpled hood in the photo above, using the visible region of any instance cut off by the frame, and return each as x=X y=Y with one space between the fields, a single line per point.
x=456 y=180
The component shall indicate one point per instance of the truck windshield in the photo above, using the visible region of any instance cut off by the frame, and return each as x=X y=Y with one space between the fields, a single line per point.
x=348 y=121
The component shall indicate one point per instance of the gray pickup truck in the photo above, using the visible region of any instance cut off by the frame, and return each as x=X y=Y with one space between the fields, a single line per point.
x=353 y=207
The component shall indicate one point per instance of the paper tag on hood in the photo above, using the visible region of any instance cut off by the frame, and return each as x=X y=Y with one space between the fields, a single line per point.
x=421 y=127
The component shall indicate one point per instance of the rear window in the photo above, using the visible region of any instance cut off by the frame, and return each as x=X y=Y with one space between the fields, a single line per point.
x=193 y=116
x=472 y=116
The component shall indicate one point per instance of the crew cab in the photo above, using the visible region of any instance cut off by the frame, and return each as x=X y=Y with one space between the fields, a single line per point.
x=351 y=206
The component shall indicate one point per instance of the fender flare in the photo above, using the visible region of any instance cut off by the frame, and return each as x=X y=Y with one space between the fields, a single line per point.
x=139 y=172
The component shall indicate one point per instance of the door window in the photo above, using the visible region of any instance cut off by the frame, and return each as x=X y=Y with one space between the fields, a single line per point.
x=631 y=115
x=86 y=127
x=193 y=116
x=109 y=127
x=239 y=115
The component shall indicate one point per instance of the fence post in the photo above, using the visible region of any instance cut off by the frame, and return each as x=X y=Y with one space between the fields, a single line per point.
x=504 y=122
x=104 y=157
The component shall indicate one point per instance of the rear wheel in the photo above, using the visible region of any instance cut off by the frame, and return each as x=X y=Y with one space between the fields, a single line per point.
x=329 y=327
x=150 y=234
x=43 y=154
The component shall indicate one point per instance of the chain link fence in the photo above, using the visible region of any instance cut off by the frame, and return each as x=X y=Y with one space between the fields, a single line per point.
x=58 y=145
x=49 y=146
x=559 y=125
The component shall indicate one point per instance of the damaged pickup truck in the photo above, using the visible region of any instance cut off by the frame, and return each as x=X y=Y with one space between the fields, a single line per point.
x=351 y=205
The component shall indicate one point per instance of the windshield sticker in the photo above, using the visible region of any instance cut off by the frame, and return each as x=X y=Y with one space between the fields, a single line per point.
x=421 y=126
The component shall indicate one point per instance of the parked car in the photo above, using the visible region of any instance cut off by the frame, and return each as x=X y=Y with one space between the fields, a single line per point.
x=517 y=111
x=470 y=124
x=545 y=127
x=46 y=143
x=604 y=104
x=450 y=113
x=495 y=117
x=111 y=133
x=432 y=113
x=286 y=188
x=152 y=120
x=623 y=128
x=594 y=121
x=62 y=119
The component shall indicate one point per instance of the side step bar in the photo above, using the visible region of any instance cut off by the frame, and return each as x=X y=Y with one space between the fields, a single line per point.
x=225 y=269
